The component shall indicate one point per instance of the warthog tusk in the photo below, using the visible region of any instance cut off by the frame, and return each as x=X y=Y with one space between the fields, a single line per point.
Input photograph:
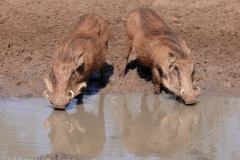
x=72 y=94
x=199 y=89
x=182 y=91
x=46 y=95
x=82 y=85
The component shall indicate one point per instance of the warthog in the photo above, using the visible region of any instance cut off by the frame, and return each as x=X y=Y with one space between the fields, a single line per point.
x=159 y=48
x=81 y=53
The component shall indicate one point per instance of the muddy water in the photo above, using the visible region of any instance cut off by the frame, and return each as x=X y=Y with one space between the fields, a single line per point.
x=130 y=126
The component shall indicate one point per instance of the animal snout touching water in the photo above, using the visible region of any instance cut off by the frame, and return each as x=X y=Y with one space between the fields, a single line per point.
x=80 y=54
x=163 y=51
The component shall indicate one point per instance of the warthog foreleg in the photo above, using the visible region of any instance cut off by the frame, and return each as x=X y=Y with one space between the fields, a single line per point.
x=157 y=80
x=128 y=45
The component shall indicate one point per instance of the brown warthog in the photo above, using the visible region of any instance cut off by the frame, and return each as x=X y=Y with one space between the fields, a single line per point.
x=81 y=53
x=159 y=48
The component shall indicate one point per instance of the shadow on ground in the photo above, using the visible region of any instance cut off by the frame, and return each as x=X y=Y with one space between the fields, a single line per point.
x=143 y=71
x=94 y=84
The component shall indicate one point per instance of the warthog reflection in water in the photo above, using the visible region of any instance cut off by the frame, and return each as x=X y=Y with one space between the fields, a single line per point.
x=155 y=132
x=80 y=134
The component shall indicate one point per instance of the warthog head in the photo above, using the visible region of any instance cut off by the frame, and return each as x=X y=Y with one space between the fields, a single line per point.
x=65 y=81
x=180 y=80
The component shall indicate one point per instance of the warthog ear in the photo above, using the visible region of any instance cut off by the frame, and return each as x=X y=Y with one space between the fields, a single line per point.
x=48 y=80
x=80 y=62
x=171 y=57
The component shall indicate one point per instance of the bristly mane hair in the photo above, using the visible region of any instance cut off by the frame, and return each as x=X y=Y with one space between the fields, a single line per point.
x=85 y=28
x=153 y=25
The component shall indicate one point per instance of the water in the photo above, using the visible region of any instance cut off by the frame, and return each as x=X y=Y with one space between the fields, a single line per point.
x=123 y=126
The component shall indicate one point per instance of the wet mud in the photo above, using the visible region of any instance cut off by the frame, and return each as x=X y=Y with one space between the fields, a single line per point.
x=31 y=31
x=121 y=126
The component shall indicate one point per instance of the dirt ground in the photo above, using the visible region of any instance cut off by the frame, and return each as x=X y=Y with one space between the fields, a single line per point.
x=31 y=31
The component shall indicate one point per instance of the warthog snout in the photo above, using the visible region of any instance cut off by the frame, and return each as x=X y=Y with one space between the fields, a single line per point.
x=189 y=97
x=60 y=101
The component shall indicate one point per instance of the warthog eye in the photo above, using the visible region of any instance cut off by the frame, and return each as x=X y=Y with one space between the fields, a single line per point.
x=192 y=76
x=73 y=74
x=176 y=69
